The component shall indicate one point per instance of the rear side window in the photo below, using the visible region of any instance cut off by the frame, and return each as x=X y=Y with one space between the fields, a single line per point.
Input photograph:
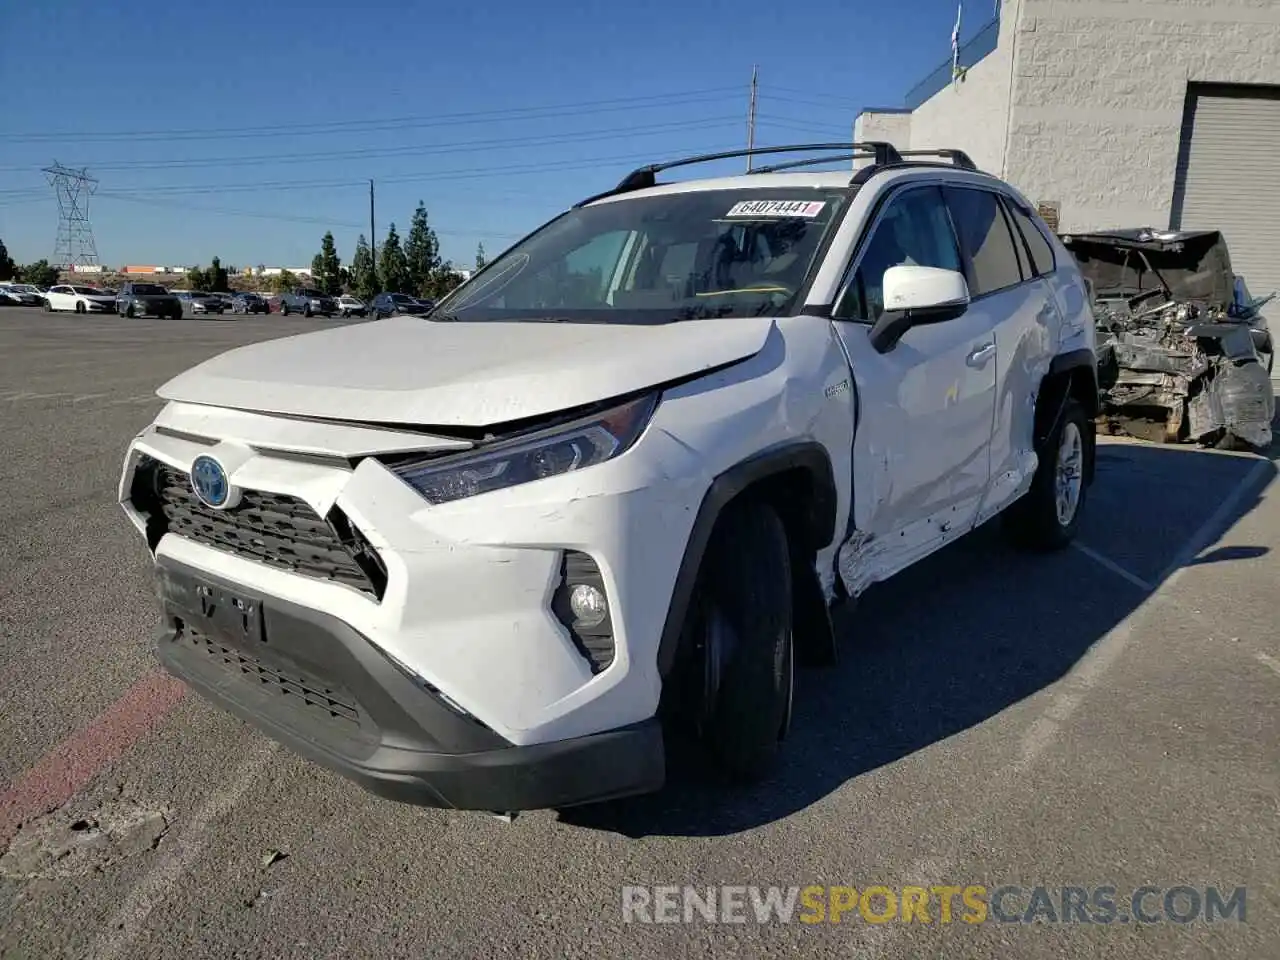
x=1041 y=252
x=985 y=239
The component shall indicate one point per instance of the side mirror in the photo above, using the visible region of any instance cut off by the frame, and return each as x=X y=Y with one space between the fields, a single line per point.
x=914 y=296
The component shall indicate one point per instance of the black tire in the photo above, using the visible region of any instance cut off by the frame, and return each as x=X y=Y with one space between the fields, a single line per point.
x=44 y=305
x=746 y=580
x=128 y=311
x=284 y=309
x=1034 y=521
x=80 y=307
x=306 y=311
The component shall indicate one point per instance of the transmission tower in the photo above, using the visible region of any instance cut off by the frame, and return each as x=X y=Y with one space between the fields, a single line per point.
x=75 y=246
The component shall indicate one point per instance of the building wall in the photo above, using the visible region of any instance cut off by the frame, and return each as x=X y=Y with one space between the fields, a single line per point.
x=1100 y=87
x=891 y=125
x=972 y=114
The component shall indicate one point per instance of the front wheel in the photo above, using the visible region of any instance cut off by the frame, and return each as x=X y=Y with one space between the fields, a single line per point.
x=80 y=308
x=741 y=639
x=284 y=309
x=1047 y=517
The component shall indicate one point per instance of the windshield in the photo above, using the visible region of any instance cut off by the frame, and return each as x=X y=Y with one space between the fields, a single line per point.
x=24 y=288
x=655 y=259
x=401 y=298
x=309 y=292
x=197 y=293
x=88 y=291
x=145 y=288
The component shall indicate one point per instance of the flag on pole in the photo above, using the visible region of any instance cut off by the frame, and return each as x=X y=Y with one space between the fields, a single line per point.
x=955 y=45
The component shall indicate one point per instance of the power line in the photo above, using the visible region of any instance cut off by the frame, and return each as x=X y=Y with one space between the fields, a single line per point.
x=413 y=150
x=282 y=217
x=462 y=173
x=393 y=123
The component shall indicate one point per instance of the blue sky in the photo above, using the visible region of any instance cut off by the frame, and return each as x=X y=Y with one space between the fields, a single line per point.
x=246 y=131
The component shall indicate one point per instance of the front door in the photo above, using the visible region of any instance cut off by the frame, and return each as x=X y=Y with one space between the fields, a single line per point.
x=921 y=451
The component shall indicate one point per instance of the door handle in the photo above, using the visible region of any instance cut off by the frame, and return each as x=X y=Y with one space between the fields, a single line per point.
x=980 y=355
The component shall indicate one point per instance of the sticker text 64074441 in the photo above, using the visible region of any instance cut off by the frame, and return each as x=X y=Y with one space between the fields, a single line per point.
x=776 y=208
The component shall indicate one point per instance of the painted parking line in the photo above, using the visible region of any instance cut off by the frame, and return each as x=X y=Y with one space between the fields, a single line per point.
x=66 y=769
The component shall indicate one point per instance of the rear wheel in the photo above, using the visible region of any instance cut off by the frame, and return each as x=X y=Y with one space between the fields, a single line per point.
x=128 y=311
x=284 y=309
x=306 y=311
x=740 y=633
x=1047 y=517
x=80 y=306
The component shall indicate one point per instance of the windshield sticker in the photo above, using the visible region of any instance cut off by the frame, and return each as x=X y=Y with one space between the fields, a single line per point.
x=777 y=208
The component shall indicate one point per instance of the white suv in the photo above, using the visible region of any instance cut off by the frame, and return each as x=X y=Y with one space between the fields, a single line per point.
x=605 y=494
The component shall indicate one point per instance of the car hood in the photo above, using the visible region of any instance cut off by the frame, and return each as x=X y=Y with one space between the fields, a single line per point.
x=408 y=370
x=1195 y=265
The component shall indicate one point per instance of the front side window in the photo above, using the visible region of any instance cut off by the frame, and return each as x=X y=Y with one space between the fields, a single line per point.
x=658 y=259
x=985 y=239
x=914 y=231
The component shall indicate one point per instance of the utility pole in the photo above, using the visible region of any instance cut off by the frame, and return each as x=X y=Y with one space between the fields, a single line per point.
x=373 y=237
x=74 y=246
x=751 y=115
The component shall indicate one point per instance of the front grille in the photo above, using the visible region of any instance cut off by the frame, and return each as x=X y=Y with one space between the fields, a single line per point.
x=303 y=691
x=271 y=528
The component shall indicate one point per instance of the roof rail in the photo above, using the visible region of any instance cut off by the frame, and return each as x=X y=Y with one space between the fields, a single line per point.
x=812 y=161
x=642 y=177
x=958 y=157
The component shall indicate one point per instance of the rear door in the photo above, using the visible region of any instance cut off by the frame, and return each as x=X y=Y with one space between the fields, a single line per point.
x=925 y=407
x=1009 y=289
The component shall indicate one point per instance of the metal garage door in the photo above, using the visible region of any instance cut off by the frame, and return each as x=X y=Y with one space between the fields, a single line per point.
x=1228 y=179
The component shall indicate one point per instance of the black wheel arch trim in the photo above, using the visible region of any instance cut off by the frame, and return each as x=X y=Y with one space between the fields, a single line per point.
x=821 y=514
x=1052 y=403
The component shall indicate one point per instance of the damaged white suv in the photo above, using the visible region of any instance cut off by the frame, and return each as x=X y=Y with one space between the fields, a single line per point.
x=606 y=492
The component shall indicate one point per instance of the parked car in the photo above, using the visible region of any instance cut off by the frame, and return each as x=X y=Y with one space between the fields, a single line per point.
x=141 y=299
x=349 y=306
x=617 y=488
x=198 y=302
x=308 y=301
x=21 y=294
x=388 y=304
x=66 y=296
x=1184 y=353
x=246 y=303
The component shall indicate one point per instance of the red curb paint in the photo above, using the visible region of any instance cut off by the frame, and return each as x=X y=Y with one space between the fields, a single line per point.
x=63 y=771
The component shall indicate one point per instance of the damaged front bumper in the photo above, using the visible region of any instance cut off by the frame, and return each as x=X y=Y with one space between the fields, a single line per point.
x=1181 y=373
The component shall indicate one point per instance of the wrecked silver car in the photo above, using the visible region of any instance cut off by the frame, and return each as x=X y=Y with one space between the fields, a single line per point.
x=1183 y=353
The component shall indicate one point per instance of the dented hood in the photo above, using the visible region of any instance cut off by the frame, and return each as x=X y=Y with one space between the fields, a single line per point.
x=1195 y=265
x=409 y=370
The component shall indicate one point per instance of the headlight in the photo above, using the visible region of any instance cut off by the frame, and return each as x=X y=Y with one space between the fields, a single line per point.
x=549 y=453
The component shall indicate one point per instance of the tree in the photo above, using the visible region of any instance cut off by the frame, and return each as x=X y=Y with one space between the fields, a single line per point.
x=39 y=274
x=422 y=252
x=7 y=266
x=480 y=258
x=326 y=267
x=392 y=264
x=217 y=275
x=198 y=279
x=363 y=277
x=283 y=282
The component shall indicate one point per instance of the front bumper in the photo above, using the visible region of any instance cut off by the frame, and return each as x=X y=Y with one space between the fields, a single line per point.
x=315 y=684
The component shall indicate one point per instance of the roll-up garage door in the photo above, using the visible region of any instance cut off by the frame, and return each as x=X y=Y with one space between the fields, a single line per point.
x=1228 y=179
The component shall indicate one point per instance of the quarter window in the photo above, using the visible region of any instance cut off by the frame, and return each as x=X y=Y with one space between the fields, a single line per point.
x=985 y=239
x=913 y=231
x=1041 y=252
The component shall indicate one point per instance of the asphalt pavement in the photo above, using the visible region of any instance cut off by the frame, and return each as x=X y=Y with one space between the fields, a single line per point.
x=1100 y=717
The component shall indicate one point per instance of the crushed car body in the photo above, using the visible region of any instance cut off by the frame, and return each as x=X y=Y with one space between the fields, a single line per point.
x=1184 y=355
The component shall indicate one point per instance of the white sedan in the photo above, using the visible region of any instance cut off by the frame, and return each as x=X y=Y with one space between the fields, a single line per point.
x=64 y=296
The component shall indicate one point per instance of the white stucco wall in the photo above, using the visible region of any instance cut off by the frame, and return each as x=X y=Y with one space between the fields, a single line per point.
x=1099 y=92
x=892 y=126
x=973 y=114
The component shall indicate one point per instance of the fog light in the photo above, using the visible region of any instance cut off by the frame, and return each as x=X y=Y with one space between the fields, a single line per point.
x=588 y=605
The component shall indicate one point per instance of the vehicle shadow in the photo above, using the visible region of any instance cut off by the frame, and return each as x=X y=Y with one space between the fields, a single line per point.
x=962 y=636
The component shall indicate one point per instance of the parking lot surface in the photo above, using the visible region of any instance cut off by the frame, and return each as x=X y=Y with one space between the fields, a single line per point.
x=1103 y=716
